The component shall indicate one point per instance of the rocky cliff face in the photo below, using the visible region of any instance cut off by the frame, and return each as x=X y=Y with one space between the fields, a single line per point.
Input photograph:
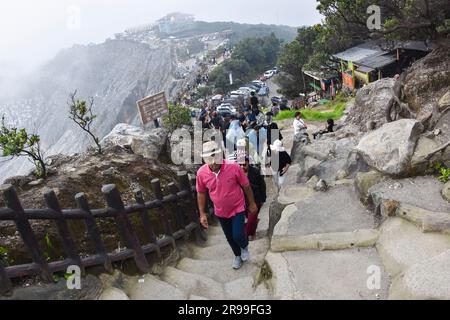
x=116 y=74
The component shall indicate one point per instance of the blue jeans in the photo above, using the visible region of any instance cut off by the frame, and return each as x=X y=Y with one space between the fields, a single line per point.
x=234 y=230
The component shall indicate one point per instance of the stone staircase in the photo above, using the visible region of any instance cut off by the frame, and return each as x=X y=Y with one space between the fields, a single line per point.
x=327 y=245
x=323 y=245
x=205 y=272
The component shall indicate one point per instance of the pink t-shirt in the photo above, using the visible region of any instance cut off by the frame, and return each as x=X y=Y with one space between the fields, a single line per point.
x=225 y=188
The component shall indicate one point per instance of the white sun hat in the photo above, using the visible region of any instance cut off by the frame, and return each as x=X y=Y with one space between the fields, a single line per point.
x=210 y=148
x=277 y=146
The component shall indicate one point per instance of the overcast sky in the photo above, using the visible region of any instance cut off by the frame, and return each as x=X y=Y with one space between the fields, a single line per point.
x=32 y=31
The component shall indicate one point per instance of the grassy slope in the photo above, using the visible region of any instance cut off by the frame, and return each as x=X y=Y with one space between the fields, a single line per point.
x=336 y=110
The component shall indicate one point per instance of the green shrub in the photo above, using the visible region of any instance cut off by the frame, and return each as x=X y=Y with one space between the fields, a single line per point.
x=177 y=117
x=443 y=171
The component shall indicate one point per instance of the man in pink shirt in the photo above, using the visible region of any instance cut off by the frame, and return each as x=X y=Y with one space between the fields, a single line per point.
x=226 y=183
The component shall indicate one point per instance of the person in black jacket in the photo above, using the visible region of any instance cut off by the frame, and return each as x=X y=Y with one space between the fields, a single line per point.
x=259 y=192
x=270 y=125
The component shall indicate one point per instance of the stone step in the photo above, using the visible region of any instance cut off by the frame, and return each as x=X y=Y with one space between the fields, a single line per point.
x=221 y=252
x=194 y=284
x=427 y=280
x=318 y=275
x=401 y=245
x=220 y=271
x=215 y=239
x=421 y=192
x=425 y=220
x=337 y=210
x=150 y=287
x=214 y=231
x=326 y=241
x=245 y=289
x=113 y=294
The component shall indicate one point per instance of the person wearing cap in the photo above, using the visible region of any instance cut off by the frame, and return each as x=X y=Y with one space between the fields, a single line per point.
x=280 y=167
x=228 y=188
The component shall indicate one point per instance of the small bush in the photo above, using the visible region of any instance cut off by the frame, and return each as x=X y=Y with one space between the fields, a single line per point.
x=177 y=117
x=443 y=171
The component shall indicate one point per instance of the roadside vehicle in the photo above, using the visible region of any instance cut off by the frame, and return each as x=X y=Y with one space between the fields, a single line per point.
x=269 y=74
x=264 y=91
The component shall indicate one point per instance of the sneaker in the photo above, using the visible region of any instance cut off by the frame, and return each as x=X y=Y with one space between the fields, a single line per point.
x=245 y=255
x=237 y=262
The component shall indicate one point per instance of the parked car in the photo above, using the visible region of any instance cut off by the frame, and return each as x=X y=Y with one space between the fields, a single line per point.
x=226 y=110
x=258 y=83
x=269 y=74
x=264 y=91
x=246 y=89
x=253 y=87
x=276 y=99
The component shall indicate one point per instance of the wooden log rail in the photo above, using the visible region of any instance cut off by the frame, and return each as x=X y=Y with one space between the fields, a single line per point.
x=115 y=209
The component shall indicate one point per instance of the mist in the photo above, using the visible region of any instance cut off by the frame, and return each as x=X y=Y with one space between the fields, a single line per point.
x=32 y=32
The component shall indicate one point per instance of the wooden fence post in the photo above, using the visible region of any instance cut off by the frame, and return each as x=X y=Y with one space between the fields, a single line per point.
x=92 y=230
x=138 y=196
x=156 y=186
x=25 y=230
x=67 y=241
x=5 y=283
x=114 y=201
x=179 y=216
x=185 y=184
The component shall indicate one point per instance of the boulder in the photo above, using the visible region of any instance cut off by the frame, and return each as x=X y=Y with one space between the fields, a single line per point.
x=446 y=191
x=444 y=102
x=364 y=181
x=312 y=182
x=390 y=148
x=427 y=80
x=370 y=105
x=147 y=143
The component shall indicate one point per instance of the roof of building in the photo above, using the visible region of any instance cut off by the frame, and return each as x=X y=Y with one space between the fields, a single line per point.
x=321 y=75
x=377 y=54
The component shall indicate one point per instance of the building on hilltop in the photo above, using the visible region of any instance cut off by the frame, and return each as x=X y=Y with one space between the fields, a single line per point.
x=175 y=23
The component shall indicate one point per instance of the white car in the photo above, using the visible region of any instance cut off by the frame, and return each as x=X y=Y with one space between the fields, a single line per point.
x=226 y=109
x=259 y=83
x=246 y=89
x=269 y=74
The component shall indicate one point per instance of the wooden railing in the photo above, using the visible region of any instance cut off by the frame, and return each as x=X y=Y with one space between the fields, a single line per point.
x=186 y=224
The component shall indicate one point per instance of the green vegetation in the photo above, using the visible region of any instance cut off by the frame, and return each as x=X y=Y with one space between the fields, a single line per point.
x=345 y=25
x=443 y=171
x=204 y=92
x=177 y=117
x=16 y=142
x=251 y=57
x=336 y=107
x=243 y=31
x=81 y=113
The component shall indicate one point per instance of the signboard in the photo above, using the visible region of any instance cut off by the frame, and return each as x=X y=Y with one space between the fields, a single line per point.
x=153 y=107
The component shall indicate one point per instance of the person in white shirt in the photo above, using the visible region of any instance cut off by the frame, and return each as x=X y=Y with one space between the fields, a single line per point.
x=299 y=126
